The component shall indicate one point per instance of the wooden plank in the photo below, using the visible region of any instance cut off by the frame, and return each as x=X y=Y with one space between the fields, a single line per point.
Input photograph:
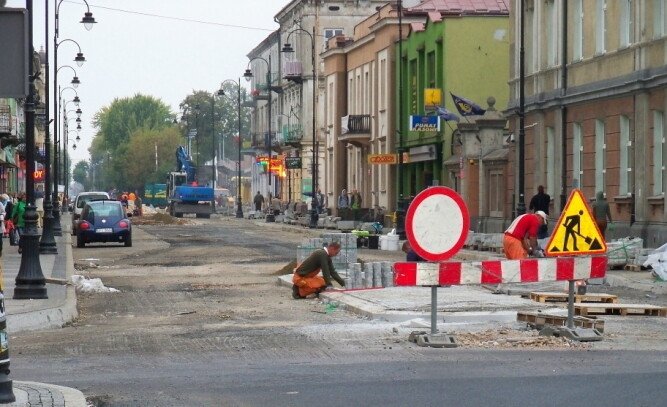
x=538 y=320
x=556 y=296
x=620 y=309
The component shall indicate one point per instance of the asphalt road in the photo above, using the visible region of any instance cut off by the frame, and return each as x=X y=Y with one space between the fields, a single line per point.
x=200 y=321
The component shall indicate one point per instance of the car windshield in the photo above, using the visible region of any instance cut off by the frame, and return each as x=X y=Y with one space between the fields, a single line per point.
x=103 y=209
x=81 y=202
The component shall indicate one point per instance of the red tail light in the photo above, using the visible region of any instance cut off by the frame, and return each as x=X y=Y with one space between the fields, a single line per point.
x=84 y=225
x=123 y=224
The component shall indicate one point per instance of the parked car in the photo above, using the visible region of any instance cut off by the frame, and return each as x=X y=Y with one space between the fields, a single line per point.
x=103 y=221
x=81 y=201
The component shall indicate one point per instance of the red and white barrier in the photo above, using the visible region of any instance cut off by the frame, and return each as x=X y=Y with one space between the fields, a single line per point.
x=499 y=271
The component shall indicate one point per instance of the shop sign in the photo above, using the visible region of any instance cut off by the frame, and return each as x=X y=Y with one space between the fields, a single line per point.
x=382 y=159
x=426 y=124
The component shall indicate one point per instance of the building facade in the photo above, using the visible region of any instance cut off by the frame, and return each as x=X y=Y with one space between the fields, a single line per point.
x=594 y=83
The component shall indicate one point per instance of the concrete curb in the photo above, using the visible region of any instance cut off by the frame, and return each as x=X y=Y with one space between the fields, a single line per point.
x=70 y=397
x=52 y=317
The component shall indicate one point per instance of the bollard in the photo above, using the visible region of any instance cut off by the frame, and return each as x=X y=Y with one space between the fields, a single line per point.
x=387 y=274
x=377 y=274
x=368 y=275
x=6 y=390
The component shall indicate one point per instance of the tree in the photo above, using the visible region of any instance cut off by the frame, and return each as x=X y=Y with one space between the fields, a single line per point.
x=116 y=125
x=80 y=174
x=225 y=121
x=151 y=155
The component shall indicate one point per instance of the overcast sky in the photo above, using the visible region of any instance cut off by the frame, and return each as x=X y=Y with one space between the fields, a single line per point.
x=162 y=48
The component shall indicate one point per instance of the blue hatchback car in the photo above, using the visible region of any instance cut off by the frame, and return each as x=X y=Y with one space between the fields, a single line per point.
x=103 y=221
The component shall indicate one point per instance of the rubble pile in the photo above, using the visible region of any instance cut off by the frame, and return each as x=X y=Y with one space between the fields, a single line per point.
x=511 y=338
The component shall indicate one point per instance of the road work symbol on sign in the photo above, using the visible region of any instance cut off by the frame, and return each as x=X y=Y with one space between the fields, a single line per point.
x=437 y=223
x=576 y=231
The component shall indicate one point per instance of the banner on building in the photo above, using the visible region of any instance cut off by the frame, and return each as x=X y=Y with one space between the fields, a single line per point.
x=382 y=159
x=425 y=124
x=432 y=98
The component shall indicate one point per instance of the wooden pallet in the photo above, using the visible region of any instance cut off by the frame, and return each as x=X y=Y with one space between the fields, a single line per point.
x=550 y=296
x=538 y=320
x=635 y=267
x=620 y=309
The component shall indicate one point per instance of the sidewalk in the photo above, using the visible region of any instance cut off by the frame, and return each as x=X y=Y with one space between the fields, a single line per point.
x=53 y=312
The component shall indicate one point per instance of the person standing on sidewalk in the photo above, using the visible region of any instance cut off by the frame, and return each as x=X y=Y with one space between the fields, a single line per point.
x=306 y=279
x=258 y=201
x=520 y=238
x=540 y=202
x=601 y=212
x=18 y=214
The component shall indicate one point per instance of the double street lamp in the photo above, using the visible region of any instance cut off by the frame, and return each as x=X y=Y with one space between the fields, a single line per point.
x=270 y=88
x=287 y=48
x=221 y=92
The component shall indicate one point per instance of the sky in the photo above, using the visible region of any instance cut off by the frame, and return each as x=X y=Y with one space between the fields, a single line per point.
x=162 y=48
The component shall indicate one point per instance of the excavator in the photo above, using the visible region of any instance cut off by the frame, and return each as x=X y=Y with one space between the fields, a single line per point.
x=184 y=194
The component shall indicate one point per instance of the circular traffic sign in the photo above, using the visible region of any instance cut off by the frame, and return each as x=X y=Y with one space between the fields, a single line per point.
x=437 y=223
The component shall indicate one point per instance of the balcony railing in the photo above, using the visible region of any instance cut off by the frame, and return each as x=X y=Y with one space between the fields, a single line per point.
x=292 y=134
x=5 y=121
x=355 y=129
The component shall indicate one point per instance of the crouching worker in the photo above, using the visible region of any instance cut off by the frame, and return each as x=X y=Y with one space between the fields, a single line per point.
x=305 y=279
x=520 y=238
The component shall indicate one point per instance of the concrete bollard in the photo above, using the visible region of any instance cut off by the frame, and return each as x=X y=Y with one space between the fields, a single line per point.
x=368 y=275
x=377 y=274
x=348 y=282
x=387 y=274
x=359 y=276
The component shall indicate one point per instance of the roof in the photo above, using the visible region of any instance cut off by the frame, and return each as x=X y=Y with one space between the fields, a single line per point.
x=462 y=7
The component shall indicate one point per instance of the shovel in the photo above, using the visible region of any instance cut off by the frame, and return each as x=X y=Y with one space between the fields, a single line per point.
x=587 y=239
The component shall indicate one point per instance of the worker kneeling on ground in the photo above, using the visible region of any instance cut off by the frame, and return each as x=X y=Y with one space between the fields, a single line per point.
x=306 y=280
x=520 y=238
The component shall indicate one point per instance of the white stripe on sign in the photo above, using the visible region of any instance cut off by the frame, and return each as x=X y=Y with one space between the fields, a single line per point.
x=436 y=223
x=511 y=271
x=582 y=267
x=546 y=269
x=428 y=273
x=471 y=273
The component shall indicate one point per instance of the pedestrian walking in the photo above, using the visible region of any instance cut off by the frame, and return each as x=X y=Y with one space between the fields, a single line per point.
x=540 y=202
x=18 y=213
x=601 y=212
x=306 y=279
x=258 y=201
x=343 y=200
x=520 y=238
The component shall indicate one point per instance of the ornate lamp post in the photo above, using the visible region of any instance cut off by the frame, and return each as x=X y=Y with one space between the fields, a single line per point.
x=287 y=48
x=51 y=203
x=248 y=75
x=221 y=92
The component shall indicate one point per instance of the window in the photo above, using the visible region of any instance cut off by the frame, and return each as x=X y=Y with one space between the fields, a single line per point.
x=551 y=32
x=658 y=18
x=578 y=40
x=332 y=32
x=430 y=69
x=658 y=154
x=551 y=154
x=530 y=58
x=625 y=29
x=624 y=156
x=383 y=84
x=577 y=149
x=600 y=153
x=600 y=26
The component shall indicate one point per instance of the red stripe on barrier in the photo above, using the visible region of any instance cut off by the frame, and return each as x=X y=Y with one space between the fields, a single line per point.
x=449 y=273
x=564 y=268
x=529 y=272
x=405 y=274
x=492 y=272
x=598 y=266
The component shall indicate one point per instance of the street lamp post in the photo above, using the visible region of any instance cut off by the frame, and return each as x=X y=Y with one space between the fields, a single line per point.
x=30 y=282
x=521 y=206
x=214 y=146
x=197 y=134
x=221 y=92
x=287 y=48
x=270 y=88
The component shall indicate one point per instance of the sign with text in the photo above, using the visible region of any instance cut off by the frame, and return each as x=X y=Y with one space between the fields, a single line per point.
x=382 y=159
x=425 y=124
x=293 y=163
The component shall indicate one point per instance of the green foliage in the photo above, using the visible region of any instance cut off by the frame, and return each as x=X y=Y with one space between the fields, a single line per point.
x=225 y=121
x=117 y=125
x=151 y=155
x=80 y=174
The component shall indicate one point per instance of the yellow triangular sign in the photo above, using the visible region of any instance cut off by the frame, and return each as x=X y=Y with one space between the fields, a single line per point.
x=576 y=231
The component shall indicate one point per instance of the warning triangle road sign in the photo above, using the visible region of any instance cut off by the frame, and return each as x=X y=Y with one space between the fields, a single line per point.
x=576 y=231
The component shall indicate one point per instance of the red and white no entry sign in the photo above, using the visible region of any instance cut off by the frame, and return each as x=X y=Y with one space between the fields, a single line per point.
x=437 y=223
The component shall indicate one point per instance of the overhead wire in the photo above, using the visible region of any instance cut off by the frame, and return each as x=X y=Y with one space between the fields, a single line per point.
x=182 y=19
